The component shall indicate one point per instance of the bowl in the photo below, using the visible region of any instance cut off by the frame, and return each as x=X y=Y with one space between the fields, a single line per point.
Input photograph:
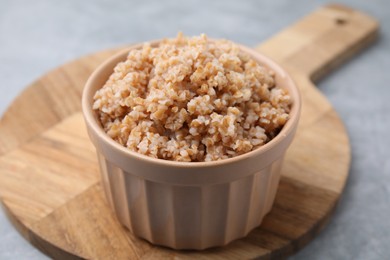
x=189 y=205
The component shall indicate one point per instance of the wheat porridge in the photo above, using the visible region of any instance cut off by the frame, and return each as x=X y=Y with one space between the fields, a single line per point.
x=191 y=99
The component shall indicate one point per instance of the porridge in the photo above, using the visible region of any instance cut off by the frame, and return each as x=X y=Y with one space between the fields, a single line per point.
x=191 y=99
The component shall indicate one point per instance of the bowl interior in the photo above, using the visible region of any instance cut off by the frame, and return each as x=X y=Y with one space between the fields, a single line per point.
x=102 y=73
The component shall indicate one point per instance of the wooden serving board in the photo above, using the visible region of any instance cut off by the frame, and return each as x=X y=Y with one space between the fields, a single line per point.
x=49 y=179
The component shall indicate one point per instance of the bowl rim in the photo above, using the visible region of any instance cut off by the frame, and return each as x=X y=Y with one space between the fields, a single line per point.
x=91 y=119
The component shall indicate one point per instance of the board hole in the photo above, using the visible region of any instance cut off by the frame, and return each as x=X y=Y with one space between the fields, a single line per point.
x=341 y=21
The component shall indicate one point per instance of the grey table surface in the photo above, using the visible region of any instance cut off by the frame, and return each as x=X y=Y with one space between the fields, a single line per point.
x=36 y=36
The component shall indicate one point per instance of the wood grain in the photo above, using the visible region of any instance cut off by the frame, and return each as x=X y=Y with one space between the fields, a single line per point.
x=49 y=180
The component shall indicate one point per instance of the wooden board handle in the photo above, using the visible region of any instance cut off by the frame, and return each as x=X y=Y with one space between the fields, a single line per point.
x=322 y=40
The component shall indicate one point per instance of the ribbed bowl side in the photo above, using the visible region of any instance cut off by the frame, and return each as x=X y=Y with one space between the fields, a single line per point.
x=190 y=217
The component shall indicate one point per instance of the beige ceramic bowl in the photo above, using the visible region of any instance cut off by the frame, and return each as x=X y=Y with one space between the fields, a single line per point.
x=186 y=205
